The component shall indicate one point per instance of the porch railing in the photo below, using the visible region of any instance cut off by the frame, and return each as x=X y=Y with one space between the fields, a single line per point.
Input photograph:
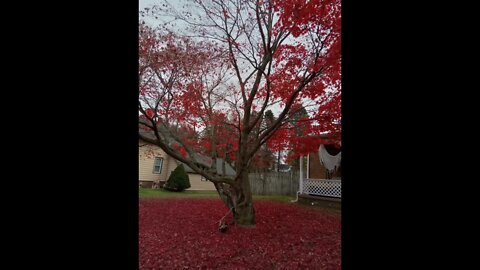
x=323 y=187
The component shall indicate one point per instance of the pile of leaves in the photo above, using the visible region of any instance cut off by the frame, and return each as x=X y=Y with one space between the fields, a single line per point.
x=183 y=234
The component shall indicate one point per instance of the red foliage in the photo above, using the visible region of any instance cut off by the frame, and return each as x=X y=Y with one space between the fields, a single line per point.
x=183 y=234
x=209 y=82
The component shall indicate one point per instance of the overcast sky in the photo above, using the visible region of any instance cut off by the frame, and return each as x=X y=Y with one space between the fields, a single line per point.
x=146 y=3
x=149 y=3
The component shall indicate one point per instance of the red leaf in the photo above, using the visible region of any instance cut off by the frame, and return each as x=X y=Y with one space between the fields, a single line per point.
x=182 y=233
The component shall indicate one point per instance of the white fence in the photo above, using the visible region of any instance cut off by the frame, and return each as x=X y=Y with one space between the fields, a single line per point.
x=323 y=187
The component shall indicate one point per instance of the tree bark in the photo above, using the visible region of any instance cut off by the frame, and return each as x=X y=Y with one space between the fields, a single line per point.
x=278 y=161
x=244 y=212
x=240 y=200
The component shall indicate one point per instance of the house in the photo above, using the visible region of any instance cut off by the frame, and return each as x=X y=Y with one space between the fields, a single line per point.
x=325 y=163
x=322 y=176
x=155 y=166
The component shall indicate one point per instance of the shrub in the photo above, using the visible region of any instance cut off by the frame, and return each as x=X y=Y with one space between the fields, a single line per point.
x=178 y=180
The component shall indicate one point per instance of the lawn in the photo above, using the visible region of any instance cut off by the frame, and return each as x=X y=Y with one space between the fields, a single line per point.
x=160 y=193
x=182 y=233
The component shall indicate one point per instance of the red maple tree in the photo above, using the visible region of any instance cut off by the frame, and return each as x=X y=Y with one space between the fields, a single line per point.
x=211 y=69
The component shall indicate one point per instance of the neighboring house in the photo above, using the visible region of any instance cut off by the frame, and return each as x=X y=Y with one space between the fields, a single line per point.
x=155 y=166
x=200 y=182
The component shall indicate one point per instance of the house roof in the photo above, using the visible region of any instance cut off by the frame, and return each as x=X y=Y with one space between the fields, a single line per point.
x=199 y=158
x=146 y=133
x=229 y=171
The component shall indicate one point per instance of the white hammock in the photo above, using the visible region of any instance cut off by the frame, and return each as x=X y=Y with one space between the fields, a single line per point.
x=330 y=162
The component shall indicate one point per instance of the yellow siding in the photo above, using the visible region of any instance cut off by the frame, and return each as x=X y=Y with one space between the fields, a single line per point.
x=197 y=184
x=172 y=164
x=147 y=154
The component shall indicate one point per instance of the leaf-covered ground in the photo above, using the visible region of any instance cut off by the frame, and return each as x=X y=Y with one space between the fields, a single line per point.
x=183 y=234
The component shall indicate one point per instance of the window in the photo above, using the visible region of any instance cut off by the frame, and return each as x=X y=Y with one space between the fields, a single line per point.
x=157 y=165
x=203 y=179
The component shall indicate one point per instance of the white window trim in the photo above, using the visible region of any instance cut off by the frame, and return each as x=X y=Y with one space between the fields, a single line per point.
x=155 y=165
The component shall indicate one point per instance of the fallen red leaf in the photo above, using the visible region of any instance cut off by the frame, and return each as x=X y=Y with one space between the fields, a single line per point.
x=183 y=234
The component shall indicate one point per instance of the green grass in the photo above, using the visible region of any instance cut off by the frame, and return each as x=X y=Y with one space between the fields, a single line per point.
x=278 y=198
x=159 y=193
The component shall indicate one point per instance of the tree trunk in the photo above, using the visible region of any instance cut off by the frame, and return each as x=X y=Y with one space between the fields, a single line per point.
x=244 y=212
x=240 y=200
x=278 y=161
